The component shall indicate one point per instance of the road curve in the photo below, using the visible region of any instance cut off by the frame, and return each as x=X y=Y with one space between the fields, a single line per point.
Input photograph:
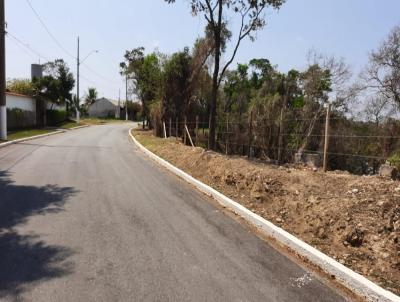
x=85 y=216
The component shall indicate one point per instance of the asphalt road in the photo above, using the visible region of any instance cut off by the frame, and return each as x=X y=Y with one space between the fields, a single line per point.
x=85 y=216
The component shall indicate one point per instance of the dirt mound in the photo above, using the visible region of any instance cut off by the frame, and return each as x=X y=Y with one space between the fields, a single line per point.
x=354 y=219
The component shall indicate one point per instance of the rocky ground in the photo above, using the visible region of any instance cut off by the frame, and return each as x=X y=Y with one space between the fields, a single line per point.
x=354 y=219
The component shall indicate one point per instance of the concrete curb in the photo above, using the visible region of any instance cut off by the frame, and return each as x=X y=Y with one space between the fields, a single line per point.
x=2 y=145
x=78 y=127
x=354 y=281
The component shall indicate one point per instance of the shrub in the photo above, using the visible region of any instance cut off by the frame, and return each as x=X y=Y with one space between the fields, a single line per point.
x=394 y=160
x=55 y=117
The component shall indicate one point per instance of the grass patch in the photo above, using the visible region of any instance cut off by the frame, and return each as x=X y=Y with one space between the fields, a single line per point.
x=149 y=141
x=70 y=125
x=27 y=133
x=100 y=121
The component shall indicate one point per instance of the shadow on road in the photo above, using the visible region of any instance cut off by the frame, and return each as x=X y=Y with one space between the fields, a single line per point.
x=25 y=259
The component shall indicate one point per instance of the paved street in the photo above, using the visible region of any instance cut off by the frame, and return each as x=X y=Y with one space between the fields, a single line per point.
x=85 y=216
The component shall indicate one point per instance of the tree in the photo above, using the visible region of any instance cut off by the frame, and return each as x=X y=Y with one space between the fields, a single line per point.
x=177 y=86
x=145 y=72
x=56 y=84
x=382 y=74
x=64 y=80
x=237 y=88
x=91 y=96
x=341 y=94
x=22 y=86
x=250 y=14
x=378 y=108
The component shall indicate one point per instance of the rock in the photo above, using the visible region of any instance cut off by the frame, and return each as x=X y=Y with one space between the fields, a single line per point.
x=313 y=199
x=230 y=180
x=354 y=191
x=388 y=171
x=315 y=169
x=311 y=160
x=321 y=233
x=396 y=225
x=397 y=190
x=279 y=220
x=355 y=237
x=255 y=194
x=385 y=255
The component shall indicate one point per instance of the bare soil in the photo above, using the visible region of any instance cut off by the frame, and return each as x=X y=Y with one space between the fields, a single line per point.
x=354 y=219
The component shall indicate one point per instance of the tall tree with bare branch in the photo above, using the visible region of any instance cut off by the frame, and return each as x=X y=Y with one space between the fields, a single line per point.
x=251 y=19
x=382 y=74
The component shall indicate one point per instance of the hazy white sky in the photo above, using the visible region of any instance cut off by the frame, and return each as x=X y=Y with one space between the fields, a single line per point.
x=345 y=28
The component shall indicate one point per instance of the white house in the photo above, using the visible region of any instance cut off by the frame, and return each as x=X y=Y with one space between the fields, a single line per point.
x=20 y=101
x=105 y=108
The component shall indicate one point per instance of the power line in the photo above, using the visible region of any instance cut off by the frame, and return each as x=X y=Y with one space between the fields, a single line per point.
x=62 y=47
x=27 y=46
x=22 y=49
x=48 y=31
x=97 y=74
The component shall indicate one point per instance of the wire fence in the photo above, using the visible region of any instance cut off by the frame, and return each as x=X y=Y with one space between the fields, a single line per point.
x=330 y=144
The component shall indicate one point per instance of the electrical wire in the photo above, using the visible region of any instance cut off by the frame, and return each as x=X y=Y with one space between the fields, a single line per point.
x=48 y=30
x=27 y=46
x=55 y=40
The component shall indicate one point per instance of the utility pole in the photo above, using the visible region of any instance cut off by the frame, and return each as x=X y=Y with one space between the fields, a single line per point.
x=3 y=108
x=126 y=97
x=78 y=63
x=118 y=113
x=326 y=143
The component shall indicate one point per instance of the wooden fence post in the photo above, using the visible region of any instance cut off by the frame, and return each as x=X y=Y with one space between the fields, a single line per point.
x=177 y=128
x=326 y=144
x=227 y=134
x=164 y=130
x=209 y=126
x=197 y=130
x=170 y=127
x=184 y=132
x=250 y=133
x=280 y=138
x=188 y=134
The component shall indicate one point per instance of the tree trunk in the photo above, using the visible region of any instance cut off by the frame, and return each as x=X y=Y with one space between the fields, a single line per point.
x=214 y=91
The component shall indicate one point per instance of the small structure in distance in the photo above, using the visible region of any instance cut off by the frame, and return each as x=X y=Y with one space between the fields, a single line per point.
x=104 y=107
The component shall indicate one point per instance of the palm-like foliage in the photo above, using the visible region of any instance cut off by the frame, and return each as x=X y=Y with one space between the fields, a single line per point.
x=91 y=96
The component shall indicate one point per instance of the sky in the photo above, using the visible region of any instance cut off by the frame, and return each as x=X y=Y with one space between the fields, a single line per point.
x=344 y=28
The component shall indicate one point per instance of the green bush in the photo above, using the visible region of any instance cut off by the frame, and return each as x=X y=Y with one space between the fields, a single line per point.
x=394 y=160
x=55 y=117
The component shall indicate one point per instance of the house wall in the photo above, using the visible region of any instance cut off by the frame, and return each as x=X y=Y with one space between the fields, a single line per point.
x=102 y=108
x=21 y=102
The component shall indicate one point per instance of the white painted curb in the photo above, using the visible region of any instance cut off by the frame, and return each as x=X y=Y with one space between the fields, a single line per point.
x=78 y=127
x=349 y=278
x=30 y=138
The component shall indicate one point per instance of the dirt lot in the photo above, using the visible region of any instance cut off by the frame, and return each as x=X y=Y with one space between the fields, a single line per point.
x=354 y=219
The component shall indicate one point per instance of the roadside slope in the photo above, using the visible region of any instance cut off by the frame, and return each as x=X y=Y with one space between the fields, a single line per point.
x=353 y=219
